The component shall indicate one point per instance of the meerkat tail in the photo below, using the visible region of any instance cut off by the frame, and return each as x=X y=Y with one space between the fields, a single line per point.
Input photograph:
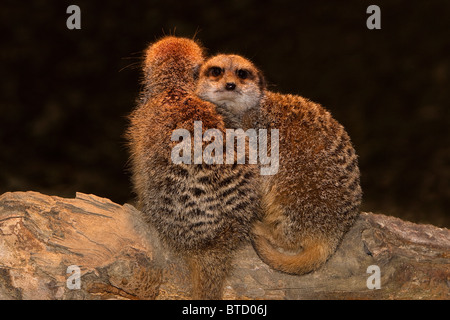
x=208 y=271
x=311 y=258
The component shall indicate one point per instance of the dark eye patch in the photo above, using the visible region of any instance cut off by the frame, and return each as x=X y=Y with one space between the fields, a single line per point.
x=243 y=74
x=215 y=71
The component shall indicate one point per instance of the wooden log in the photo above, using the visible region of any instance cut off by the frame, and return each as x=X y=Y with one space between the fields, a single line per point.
x=44 y=240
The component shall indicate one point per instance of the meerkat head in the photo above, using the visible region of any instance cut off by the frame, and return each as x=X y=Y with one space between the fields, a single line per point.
x=172 y=61
x=231 y=82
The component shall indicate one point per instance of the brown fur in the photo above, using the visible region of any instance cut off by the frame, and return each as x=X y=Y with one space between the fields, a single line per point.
x=202 y=212
x=314 y=198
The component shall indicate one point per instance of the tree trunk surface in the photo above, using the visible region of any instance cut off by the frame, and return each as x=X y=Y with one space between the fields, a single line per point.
x=46 y=240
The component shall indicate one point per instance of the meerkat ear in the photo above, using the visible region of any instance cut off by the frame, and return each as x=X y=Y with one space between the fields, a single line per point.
x=196 y=71
x=262 y=80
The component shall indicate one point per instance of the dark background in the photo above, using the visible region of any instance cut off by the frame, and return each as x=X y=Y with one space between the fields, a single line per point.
x=65 y=94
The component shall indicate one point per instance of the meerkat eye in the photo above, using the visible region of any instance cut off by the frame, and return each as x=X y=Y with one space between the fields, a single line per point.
x=243 y=74
x=215 y=71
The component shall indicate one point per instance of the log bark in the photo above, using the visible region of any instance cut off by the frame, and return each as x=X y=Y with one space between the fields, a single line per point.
x=119 y=257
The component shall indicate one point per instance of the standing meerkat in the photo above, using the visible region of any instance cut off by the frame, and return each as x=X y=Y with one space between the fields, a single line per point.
x=202 y=212
x=314 y=199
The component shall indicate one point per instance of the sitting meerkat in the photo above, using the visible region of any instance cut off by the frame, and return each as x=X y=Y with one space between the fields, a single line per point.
x=203 y=212
x=314 y=199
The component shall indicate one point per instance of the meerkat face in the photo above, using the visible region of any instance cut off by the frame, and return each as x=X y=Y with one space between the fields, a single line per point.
x=232 y=82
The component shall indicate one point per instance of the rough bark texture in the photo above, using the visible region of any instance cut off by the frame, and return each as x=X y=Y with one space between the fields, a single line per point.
x=120 y=257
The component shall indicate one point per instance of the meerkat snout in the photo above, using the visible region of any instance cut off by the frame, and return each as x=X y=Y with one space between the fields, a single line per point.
x=230 y=86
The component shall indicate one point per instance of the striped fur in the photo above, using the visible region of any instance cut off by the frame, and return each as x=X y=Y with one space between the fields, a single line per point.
x=202 y=212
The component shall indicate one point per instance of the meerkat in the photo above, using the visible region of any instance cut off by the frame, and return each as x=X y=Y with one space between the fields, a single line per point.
x=202 y=212
x=314 y=199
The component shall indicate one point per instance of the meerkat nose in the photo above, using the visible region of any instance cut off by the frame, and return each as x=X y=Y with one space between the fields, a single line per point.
x=230 y=86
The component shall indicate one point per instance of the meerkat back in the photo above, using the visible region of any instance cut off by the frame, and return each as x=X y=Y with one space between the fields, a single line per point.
x=314 y=198
x=202 y=212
